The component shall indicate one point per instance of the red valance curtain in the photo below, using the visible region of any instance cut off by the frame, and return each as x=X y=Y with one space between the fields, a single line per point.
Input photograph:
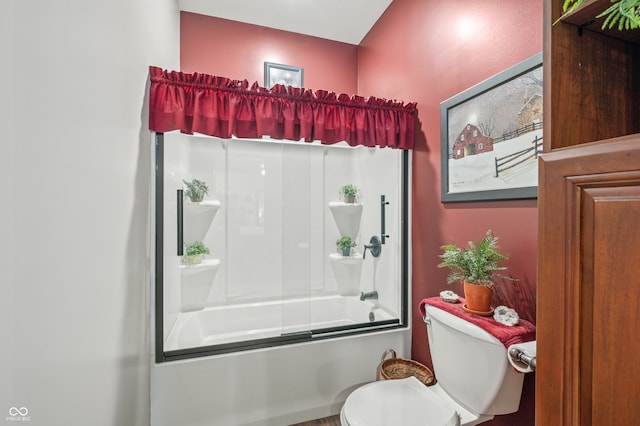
x=218 y=106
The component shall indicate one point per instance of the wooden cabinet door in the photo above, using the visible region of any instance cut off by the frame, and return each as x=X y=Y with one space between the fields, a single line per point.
x=588 y=324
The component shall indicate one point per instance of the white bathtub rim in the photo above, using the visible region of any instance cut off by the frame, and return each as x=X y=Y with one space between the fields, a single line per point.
x=190 y=322
x=289 y=346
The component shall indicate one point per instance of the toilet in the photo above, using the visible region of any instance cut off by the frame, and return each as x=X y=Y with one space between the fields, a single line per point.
x=475 y=382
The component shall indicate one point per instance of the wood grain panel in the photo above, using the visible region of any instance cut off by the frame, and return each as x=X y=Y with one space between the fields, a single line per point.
x=615 y=315
x=588 y=261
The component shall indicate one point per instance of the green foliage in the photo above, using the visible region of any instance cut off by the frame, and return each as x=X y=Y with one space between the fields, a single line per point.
x=196 y=190
x=345 y=243
x=195 y=248
x=474 y=263
x=349 y=190
x=625 y=14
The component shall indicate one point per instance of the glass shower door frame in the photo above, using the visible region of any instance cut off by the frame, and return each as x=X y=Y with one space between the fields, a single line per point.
x=163 y=355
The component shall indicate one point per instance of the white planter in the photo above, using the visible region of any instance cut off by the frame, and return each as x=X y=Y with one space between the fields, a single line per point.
x=198 y=218
x=196 y=282
x=347 y=217
x=347 y=271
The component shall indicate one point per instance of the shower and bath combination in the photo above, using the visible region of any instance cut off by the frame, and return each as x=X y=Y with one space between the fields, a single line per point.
x=270 y=220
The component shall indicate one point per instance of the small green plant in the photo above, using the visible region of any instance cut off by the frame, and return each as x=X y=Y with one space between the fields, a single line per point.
x=345 y=244
x=196 y=190
x=193 y=252
x=624 y=13
x=195 y=248
x=349 y=192
x=474 y=263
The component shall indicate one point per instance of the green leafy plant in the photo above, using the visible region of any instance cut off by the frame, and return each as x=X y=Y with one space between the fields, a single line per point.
x=196 y=190
x=474 y=263
x=349 y=192
x=195 y=248
x=344 y=243
x=623 y=13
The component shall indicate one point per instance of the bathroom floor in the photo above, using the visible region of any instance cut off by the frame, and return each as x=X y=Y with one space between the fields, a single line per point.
x=327 y=421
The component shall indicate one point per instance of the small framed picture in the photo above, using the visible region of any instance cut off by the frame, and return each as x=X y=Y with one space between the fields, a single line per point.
x=282 y=74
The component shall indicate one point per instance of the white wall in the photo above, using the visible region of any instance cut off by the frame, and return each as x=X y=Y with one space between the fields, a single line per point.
x=291 y=184
x=74 y=216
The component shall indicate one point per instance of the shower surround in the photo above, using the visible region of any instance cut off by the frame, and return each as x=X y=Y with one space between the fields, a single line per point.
x=271 y=323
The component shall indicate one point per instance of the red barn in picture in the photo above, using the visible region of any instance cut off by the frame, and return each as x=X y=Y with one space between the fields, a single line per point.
x=471 y=141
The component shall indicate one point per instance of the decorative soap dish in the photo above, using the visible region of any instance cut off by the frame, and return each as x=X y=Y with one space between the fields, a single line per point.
x=449 y=296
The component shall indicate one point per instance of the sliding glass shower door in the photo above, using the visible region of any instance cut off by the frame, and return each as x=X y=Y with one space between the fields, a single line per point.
x=269 y=222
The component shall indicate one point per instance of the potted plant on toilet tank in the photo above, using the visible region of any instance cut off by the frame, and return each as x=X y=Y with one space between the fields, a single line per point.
x=475 y=265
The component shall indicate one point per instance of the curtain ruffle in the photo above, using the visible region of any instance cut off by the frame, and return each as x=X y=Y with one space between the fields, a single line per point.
x=218 y=106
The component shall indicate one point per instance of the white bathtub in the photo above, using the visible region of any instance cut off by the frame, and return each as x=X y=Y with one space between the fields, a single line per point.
x=273 y=386
x=249 y=321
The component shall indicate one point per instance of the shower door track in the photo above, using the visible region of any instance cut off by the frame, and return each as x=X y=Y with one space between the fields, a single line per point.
x=283 y=339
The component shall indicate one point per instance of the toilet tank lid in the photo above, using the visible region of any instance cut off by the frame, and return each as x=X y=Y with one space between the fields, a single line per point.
x=506 y=335
x=460 y=325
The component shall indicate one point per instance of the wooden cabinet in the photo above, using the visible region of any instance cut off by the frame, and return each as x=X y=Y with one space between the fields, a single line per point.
x=589 y=231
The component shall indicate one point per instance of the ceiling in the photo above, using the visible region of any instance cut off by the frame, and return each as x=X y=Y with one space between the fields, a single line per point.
x=347 y=21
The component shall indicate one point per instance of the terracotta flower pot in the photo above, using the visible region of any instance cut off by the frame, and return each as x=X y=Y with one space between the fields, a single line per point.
x=478 y=298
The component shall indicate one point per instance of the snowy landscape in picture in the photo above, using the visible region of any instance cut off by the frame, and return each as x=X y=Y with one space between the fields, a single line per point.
x=477 y=172
x=501 y=123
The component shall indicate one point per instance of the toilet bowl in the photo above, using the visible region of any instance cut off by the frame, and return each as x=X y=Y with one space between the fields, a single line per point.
x=405 y=402
x=464 y=395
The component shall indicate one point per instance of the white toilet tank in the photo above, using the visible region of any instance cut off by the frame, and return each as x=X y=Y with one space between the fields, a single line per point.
x=471 y=365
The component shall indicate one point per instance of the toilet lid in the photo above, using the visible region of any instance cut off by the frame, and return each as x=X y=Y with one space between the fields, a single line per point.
x=405 y=402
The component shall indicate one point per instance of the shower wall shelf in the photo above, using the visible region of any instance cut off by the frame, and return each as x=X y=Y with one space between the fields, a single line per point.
x=347 y=270
x=203 y=205
x=347 y=217
x=199 y=267
x=198 y=218
x=354 y=259
x=196 y=283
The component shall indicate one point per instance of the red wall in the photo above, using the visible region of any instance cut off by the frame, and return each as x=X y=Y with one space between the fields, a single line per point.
x=424 y=51
x=428 y=51
x=238 y=51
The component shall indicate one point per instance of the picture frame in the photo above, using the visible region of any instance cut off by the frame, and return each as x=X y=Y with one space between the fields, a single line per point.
x=287 y=75
x=486 y=153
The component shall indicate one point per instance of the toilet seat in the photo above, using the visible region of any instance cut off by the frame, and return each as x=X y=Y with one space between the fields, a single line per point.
x=405 y=402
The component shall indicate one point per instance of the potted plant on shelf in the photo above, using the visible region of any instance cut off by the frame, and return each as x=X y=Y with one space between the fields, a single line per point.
x=345 y=244
x=349 y=193
x=623 y=14
x=196 y=190
x=475 y=265
x=193 y=253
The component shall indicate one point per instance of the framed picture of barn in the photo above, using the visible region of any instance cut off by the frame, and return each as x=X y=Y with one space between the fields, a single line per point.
x=491 y=135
